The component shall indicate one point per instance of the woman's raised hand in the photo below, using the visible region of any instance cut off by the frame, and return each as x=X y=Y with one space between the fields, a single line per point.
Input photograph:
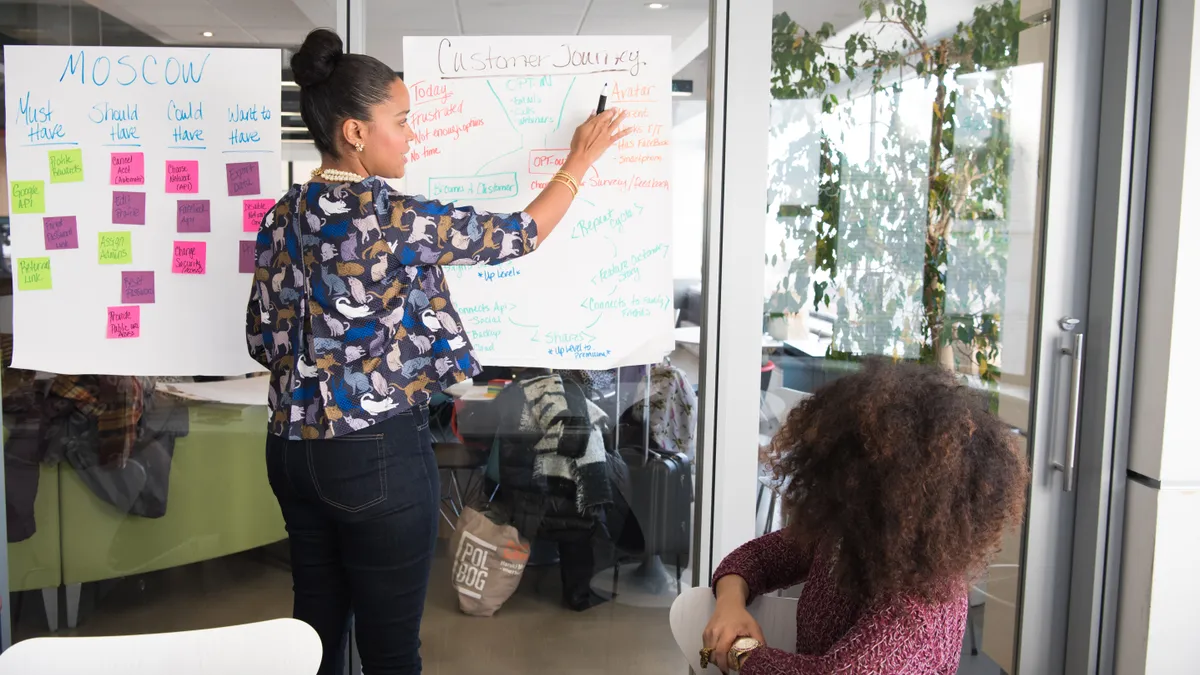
x=596 y=135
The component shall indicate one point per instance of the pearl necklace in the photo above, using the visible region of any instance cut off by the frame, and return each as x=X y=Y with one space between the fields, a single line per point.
x=337 y=176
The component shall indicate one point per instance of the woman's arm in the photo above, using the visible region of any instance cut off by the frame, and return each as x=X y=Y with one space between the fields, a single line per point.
x=760 y=566
x=591 y=140
x=432 y=233
x=892 y=638
x=254 y=338
x=765 y=564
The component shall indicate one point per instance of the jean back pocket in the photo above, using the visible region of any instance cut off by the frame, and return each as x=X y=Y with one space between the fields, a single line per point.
x=349 y=473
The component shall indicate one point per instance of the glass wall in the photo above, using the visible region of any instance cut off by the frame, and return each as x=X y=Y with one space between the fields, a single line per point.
x=595 y=599
x=166 y=521
x=139 y=504
x=904 y=218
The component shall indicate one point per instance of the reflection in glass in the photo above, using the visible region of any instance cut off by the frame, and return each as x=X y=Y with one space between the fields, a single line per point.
x=902 y=216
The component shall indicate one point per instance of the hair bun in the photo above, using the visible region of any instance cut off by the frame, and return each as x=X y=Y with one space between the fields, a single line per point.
x=317 y=58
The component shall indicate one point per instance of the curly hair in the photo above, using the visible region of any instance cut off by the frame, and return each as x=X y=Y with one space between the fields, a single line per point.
x=906 y=472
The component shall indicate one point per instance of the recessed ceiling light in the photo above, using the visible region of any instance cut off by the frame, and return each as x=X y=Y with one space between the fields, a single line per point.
x=207 y=33
x=656 y=5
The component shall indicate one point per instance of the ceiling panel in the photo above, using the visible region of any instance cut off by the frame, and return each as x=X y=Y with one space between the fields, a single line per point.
x=269 y=14
x=526 y=17
x=631 y=17
x=810 y=14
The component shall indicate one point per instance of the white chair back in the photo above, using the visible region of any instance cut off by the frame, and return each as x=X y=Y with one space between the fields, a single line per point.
x=280 y=647
x=694 y=607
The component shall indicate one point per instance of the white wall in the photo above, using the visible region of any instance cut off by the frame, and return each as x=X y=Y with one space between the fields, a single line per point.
x=1163 y=445
x=1159 y=601
x=688 y=141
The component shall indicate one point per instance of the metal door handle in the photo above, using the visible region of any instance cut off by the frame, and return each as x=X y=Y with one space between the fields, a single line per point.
x=1072 y=446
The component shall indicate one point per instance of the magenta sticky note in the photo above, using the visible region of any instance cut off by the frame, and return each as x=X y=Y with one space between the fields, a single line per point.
x=193 y=215
x=61 y=233
x=190 y=257
x=137 y=287
x=129 y=208
x=242 y=178
x=127 y=168
x=253 y=211
x=183 y=176
x=246 y=262
x=124 y=322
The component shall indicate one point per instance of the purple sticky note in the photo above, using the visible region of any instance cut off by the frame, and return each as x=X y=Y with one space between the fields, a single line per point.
x=61 y=233
x=129 y=208
x=137 y=287
x=193 y=215
x=242 y=178
x=246 y=262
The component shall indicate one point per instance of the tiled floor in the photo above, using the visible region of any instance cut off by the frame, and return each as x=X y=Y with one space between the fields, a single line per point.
x=533 y=633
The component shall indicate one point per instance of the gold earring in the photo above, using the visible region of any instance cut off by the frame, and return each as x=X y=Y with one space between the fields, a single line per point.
x=358 y=146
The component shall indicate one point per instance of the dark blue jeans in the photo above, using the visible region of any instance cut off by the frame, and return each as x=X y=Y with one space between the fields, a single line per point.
x=362 y=520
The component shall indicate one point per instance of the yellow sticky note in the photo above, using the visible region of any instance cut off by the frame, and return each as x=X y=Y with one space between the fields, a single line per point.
x=116 y=248
x=66 y=166
x=33 y=274
x=28 y=196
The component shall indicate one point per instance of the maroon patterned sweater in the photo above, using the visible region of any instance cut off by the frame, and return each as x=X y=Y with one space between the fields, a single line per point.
x=896 y=635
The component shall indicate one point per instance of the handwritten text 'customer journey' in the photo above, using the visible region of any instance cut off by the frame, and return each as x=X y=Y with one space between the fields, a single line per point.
x=494 y=119
x=132 y=174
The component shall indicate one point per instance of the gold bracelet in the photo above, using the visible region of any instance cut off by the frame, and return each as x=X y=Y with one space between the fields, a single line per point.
x=570 y=178
x=567 y=183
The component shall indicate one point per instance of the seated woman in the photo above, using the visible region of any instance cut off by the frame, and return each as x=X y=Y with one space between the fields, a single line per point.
x=899 y=484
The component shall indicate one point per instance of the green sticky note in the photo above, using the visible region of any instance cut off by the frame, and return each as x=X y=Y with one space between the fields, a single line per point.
x=33 y=274
x=66 y=166
x=116 y=248
x=28 y=196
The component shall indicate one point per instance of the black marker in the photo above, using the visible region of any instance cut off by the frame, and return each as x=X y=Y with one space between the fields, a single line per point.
x=603 y=99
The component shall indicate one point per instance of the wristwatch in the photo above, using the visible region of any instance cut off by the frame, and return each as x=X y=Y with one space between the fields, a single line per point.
x=740 y=651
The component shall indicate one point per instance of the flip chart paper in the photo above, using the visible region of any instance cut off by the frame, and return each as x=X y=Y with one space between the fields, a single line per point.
x=127 y=168
x=154 y=143
x=61 y=233
x=124 y=322
x=494 y=118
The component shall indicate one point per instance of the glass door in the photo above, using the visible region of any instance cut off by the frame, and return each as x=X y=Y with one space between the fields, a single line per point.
x=924 y=183
x=614 y=581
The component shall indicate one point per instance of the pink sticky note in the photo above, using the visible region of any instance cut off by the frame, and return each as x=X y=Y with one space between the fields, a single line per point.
x=137 y=287
x=127 y=168
x=242 y=178
x=253 y=211
x=129 y=208
x=193 y=215
x=246 y=262
x=61 y=233
x=124 y=322
x=190 y=257
x=183 y=176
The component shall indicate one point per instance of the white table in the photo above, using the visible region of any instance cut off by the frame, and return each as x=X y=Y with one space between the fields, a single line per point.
x=241 y=391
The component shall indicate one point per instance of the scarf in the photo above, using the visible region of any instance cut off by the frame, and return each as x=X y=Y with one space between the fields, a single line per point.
x=571 y=447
